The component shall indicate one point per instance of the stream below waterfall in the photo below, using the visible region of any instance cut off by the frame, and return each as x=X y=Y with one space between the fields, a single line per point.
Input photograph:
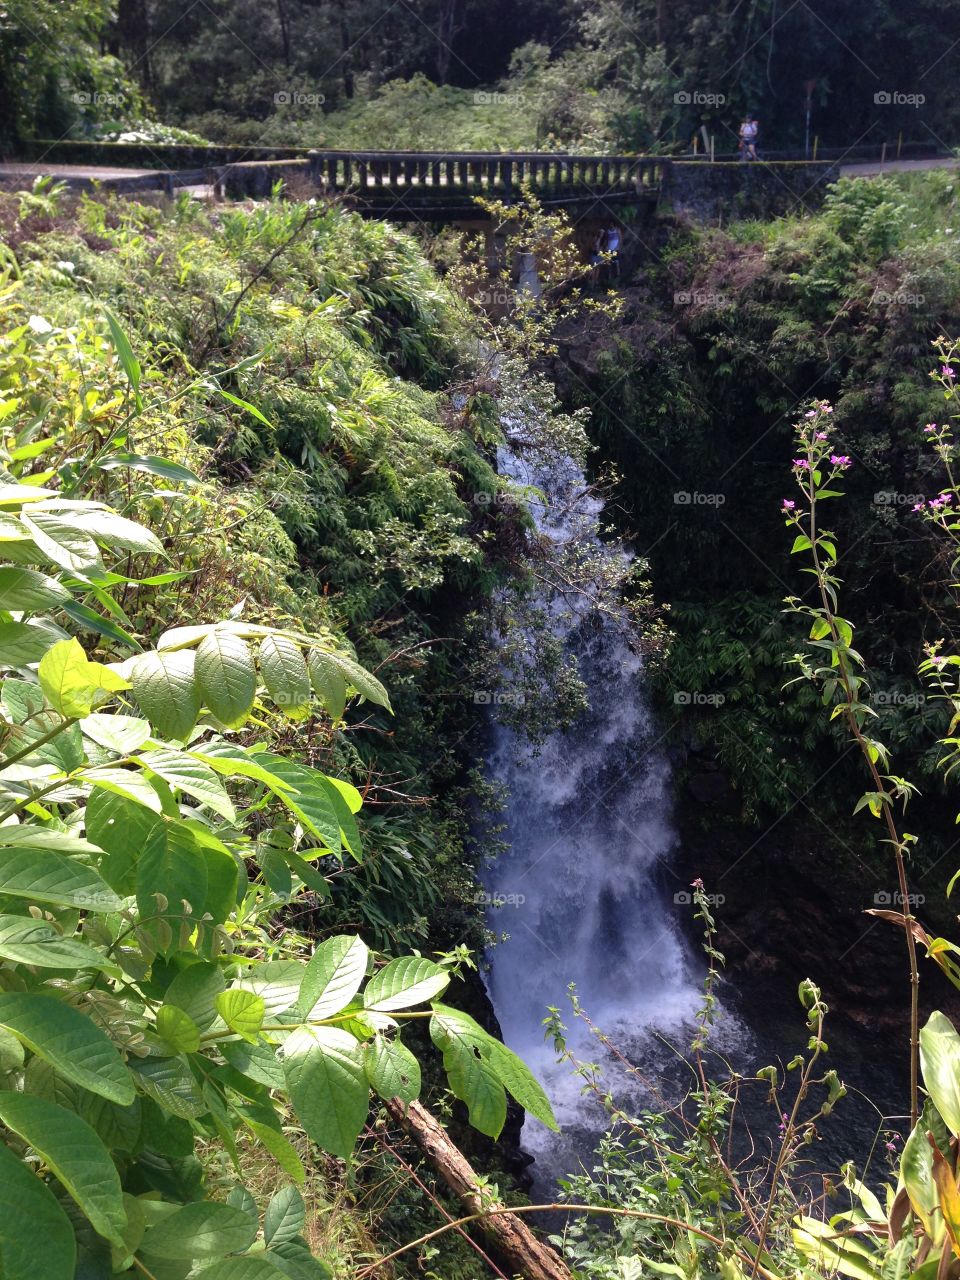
x=585 y=892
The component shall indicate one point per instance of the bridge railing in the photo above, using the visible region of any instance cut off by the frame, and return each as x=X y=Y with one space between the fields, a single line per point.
x=483 y=172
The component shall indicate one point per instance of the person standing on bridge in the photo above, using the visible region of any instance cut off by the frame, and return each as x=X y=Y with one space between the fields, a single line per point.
x=749 y=130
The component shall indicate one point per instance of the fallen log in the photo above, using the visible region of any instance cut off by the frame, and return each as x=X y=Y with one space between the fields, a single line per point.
x=509 y=1236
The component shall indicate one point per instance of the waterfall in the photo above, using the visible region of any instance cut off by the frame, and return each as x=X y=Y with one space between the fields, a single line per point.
x=584 y=889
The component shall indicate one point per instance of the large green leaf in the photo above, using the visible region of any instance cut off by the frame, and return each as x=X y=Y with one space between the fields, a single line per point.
x=170 y=1083
x=328 y=681
x=226 y=676
x=392 y=1069
x=75 y=1155
x=404 y=982
x=284 y=672
x=63 y=543
x=116 y=531
x=24 y=642
x=333 y=976
x=161 y=467
x=328 y=1088
x=471 y=1076
x=940 y=1063
x=242 y=1011
x=35 y=942
x=206 y=1229
x=45 y=877
x=284 y=1217
x=175 y=868
x=359 y=678
x=916 y=1168
x=186 y=773
x=28 y=590
x=453 y=1029
x=115 y=732
x=71 y=682
x=249 y=1268
x=178 y=1029
x=125 y=831
x=282 y=1150
x=36 y=1238
x=69 y=1041
x=195 y=991
x=165 y=688
x=307 y=798
x=128 y=361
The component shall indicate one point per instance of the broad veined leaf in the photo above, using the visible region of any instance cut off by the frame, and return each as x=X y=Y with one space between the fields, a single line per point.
x=471 y=1076
x=328 y=1088
x=178 y=1029
x=328 y=681
x=940 y=1062
x=71 y=682
x=404 y=982
x=35 y=942
x=259 y=1062
x=284 y=1217
x=28 y=590
x=125 y=831
x=75 y=1155
x=22 y=643
x=308 y=798
x=392 y=1069
x=186 y=773
x=226 y=676
x=166 y=691
x=42 y=876
x=116 y=531
x=195 y=991
x=129 y=783
x=359 y=678
x=29 y=1214
x=277 y=981
x=63 y=543
x=249 y=1268
x=284 y=672
x=333 y=976
x=175 y=869
x=231 y=761
x=465 y=1036
x=206 y=1229
x=69 y=1041
x=115 y=732
x=242 y=1011
x=170 y=1083
x=916 y=1167
x=282 y=1150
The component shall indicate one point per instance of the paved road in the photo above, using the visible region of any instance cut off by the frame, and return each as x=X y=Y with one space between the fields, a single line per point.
x=867 y=168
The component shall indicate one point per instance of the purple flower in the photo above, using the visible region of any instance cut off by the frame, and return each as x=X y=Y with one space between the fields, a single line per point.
x=802 y=464
x=788 y=504
x=811 y=413
x=918 y=506
x=947 y=370
x=840 y=460
x=821 y=435
x=931 y=426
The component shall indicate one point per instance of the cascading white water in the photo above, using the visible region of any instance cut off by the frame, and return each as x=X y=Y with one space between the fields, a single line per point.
x=584 y=888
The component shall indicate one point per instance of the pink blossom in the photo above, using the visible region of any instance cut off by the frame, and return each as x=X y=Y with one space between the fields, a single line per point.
x=931 y=426
x=947 y=370
x=788 y=504
x=821 y=435
x=802 y=464
x=918 y=506
x=840 y=460
x=811 y=413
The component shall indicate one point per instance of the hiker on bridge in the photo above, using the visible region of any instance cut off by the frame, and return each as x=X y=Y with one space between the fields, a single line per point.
x=749 y=131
